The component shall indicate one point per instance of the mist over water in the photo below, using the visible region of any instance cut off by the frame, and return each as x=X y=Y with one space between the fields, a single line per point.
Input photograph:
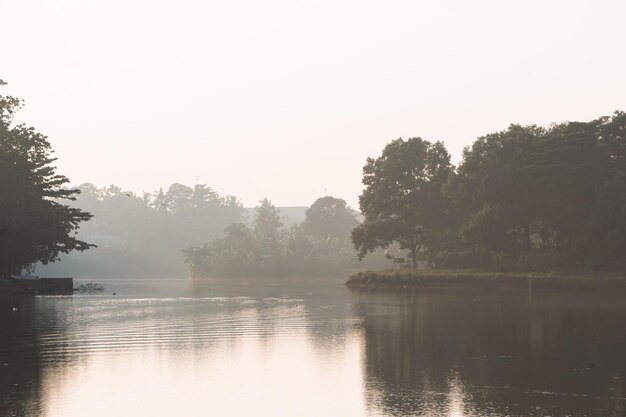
x=284 y=347
x=209 y=183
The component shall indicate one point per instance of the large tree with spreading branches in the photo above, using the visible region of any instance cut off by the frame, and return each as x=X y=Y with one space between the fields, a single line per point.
x=35 y=226
x=403 y=200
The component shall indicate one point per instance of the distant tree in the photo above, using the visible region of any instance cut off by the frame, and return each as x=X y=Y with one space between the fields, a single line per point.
x=266 y=225
x=112 y=191
x=233 y=203
x=89 y=191
x=158 y=201
x=239 y=241
x=34 y=225
x=299 y=243
x=138 y=235
x=403 y=201
x=267 y=249
x=178 y=198
x=204 y=196
x=330 y=217
x=234 y=253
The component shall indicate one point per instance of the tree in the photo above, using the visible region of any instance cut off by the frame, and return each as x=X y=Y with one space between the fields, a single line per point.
x=330 y=217
x=496 y=188
x=403 y=201
x=203 y=197
x=266 y=225
x=138 y=235
x=233 y=253
x=178 y=198
x=34 y=225
x=538 y=198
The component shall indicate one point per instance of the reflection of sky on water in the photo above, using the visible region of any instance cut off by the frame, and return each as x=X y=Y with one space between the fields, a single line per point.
x=244 y=377
x=272 y=352
x=230 y=356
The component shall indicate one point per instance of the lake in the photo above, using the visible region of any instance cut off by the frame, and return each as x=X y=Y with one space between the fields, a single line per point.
x=284 y=348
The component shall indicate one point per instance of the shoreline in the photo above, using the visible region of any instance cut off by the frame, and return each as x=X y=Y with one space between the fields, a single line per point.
x=39 y=286
x=465 y=279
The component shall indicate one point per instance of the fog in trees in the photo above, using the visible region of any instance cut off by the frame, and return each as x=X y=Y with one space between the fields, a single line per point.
x=318 y=246
x=526 y=198
x=143 y=235
x=328 y=208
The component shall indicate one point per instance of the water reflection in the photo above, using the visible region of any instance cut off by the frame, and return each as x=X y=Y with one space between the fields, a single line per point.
x=163 y=348
x=468 y=354
x=148 y=354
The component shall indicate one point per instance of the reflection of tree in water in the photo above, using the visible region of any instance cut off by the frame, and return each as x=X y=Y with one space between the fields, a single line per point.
x=33 y=342
x=20 y=360
x=467 y=354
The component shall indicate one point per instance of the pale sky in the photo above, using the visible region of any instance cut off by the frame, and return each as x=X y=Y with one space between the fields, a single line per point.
x=286 y=99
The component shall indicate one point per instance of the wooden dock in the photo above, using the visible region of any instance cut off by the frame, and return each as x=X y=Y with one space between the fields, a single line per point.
x=38 y=286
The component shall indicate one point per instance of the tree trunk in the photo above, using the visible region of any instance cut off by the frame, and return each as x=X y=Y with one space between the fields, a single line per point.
x=414 y=249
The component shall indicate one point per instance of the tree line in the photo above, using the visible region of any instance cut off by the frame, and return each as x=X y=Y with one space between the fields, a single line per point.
x=319 y=245
x=527 y=197
x=139 y=235
x=43 y=220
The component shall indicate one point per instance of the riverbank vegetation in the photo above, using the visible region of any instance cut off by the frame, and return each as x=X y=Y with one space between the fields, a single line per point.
x=526 y=198
x=443 y=279
x=320 y=245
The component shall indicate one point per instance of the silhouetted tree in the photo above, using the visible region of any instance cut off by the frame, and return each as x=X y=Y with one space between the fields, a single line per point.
x=403 y=201
x=541 y=198
x=34 y=225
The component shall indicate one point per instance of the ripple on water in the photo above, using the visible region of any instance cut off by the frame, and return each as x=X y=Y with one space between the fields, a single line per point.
x=118 y=325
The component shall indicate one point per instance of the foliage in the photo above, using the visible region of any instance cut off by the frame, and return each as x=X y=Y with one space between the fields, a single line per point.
x=542 y=198
x=329 y=218
x=524 y=198
x=266 y=228
x=35 y=225
x=403 y=200
x=267 y=248
x=143 y=235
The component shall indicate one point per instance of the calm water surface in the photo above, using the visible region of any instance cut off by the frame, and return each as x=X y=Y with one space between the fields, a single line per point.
x=256 y=348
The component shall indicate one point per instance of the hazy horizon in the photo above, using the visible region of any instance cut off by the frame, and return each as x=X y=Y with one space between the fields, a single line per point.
x=285 y=100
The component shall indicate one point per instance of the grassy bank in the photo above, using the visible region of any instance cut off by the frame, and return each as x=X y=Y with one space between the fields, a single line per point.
x=467 y=279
